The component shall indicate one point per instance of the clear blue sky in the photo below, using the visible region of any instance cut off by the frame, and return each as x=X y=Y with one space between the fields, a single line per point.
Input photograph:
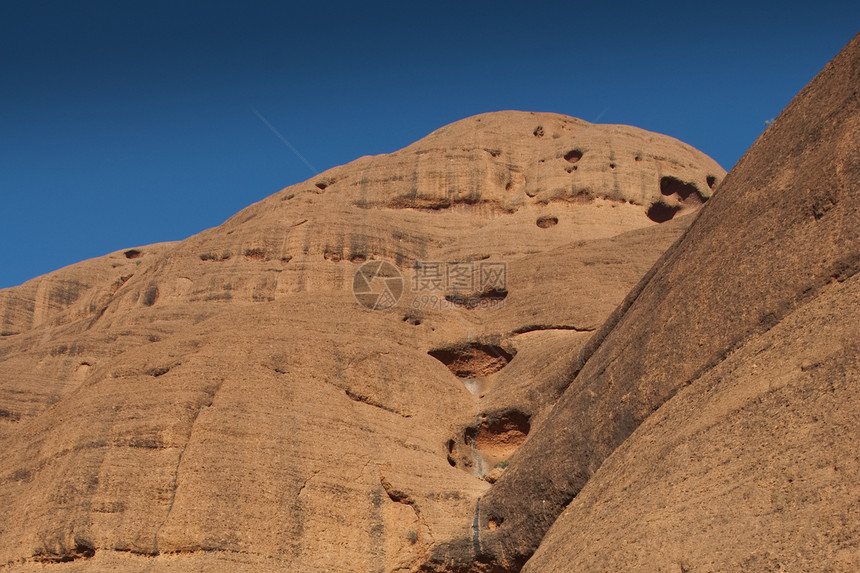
x=127 y=123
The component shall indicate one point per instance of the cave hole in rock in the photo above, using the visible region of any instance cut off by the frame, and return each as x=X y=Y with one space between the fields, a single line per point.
x=498 y=436
x=473 y=360
x=573 y=155
x=547 y=222
x=711 y=180
x=83 y=549
x=133 y=254
x=157 y=371
x=673 y=186
x=485 y=299
x=660 y=212
x=333 y=256
x=255 y=254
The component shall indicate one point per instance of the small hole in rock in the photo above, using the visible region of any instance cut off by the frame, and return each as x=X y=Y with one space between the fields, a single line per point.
x=473 y=360
x=255 y=254
x=321 y=185
x=499 y=436
x=712 y=180
x=547 y=222
x=573 y=156
x=538 y=132
x=158 y=371
x=660 y=212
x=673 y=186
x=133 y=254
x=477 y=299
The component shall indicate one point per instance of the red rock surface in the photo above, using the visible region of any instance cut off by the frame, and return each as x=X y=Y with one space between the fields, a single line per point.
x=753 y=464
x=225 y=402
x=711 y=426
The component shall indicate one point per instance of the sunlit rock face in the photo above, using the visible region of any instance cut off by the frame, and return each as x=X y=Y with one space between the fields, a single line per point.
x=330 y=380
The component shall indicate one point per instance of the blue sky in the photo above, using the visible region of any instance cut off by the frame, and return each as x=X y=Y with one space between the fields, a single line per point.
x=127 y=123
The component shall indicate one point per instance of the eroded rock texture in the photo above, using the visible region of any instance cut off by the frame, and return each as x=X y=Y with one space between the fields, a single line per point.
x=225 y=402
x=753 y=464
x=711 y=425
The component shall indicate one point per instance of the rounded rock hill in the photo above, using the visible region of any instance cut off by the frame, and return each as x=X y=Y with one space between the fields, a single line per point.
x=225 y=403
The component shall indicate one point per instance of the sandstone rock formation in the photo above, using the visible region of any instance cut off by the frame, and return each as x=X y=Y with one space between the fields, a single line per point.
x=754 y=464
x=712 y=422
x=225 y=402
x=648 y=388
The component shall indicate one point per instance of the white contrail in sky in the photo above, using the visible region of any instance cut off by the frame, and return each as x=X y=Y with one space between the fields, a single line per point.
x=282 y=138
x=601 y=114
